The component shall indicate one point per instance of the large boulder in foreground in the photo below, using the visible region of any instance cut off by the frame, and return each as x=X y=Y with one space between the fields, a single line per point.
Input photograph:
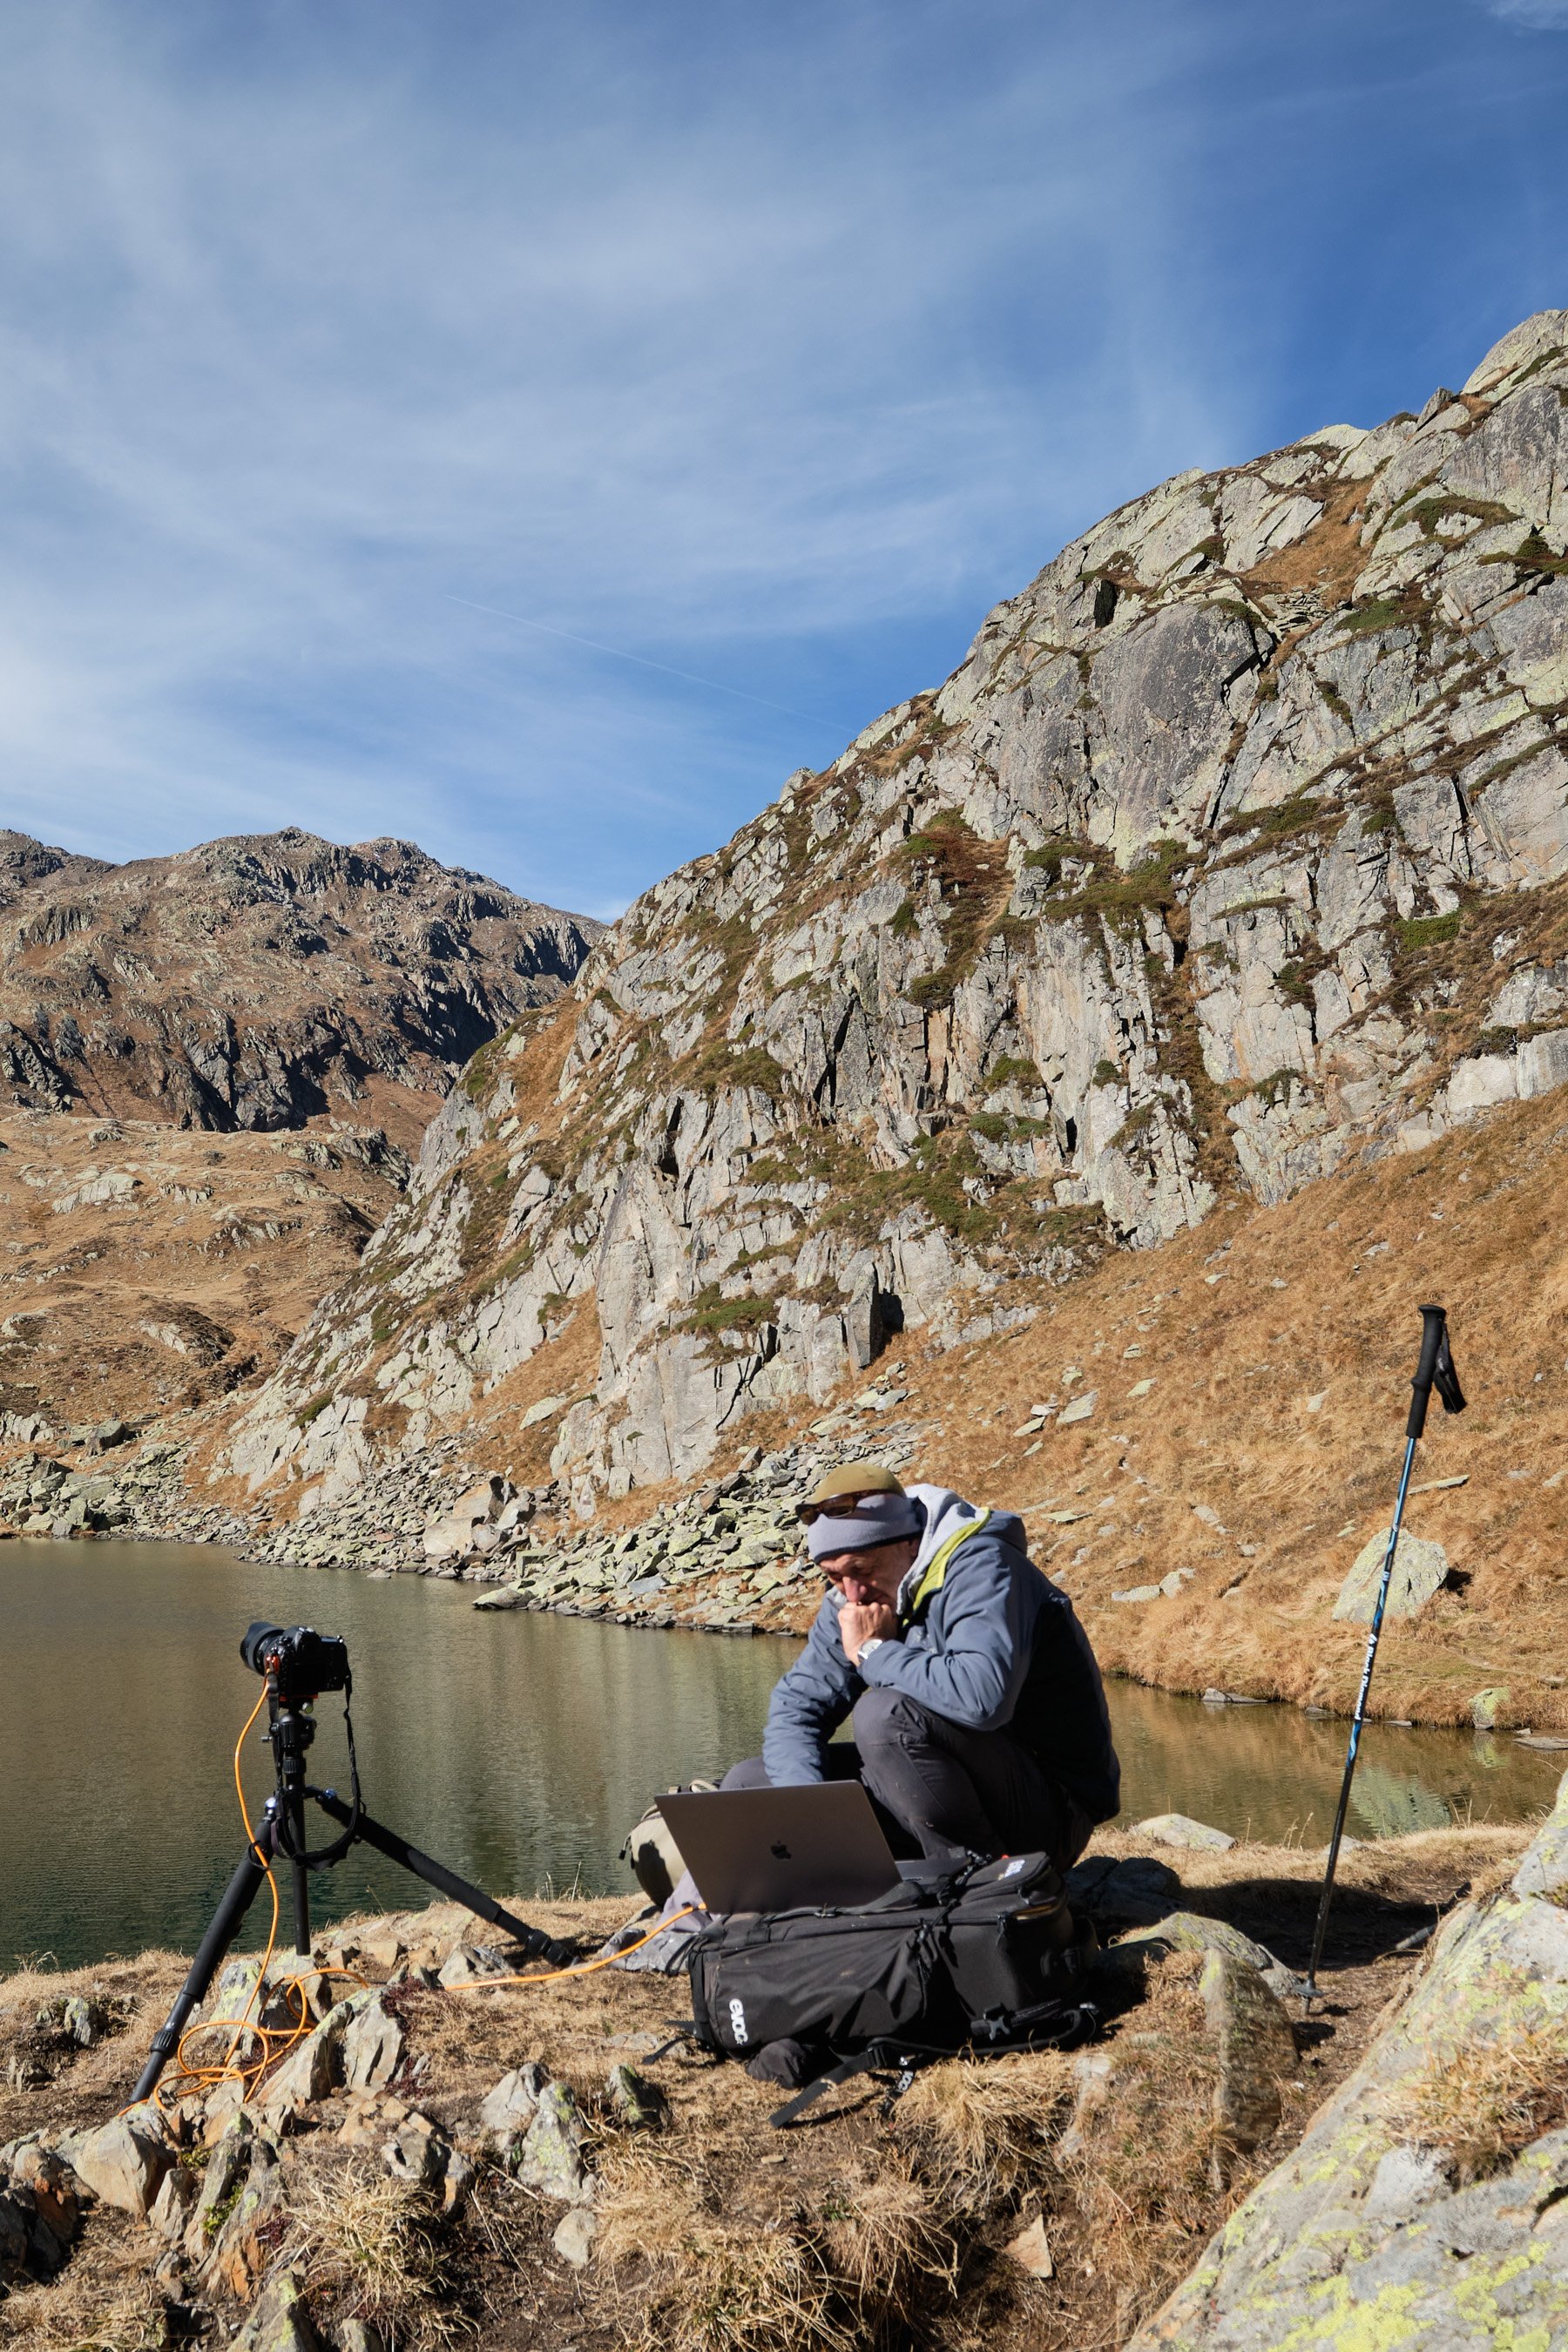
x=1427 y=2205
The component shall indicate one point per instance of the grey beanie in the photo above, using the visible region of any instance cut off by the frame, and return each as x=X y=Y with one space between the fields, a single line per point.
x=876 y=1520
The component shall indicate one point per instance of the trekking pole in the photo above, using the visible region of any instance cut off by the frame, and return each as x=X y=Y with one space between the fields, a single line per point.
x=1435 y=1370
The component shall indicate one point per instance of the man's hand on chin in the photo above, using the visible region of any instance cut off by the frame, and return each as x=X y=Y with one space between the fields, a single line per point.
x=862 y=1621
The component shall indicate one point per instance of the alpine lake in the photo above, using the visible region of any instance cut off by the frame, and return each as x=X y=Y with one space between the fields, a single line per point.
x=517 y=1748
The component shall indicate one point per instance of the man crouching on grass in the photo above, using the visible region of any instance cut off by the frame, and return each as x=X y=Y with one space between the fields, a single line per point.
x=978 y=1713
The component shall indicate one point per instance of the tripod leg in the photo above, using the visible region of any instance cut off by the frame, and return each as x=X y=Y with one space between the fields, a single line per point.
x=534 y=1942
x=301 y=1877
x=291 y=1782
x=238 y=1899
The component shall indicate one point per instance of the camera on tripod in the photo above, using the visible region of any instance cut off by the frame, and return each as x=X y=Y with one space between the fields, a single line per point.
x=298 y=1664
x=302 y=1662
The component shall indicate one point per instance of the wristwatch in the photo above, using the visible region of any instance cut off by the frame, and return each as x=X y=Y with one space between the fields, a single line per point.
x=875 y=1642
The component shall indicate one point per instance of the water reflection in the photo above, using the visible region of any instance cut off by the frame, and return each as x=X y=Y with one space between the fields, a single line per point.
x=1393 y=1804
x=516 y=1748
x=1273 y=1772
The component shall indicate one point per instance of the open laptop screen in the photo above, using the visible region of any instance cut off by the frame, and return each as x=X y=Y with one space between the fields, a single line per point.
x=782 y=1849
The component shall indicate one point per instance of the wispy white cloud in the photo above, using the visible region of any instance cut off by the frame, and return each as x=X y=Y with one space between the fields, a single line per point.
x=299 y=345
x=750 y=344
x=1539 y=15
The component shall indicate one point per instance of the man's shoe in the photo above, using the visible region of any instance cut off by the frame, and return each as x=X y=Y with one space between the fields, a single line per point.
x=788 y=2062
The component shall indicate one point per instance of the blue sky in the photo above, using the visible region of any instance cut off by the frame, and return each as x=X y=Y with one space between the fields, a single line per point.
x=535 y=431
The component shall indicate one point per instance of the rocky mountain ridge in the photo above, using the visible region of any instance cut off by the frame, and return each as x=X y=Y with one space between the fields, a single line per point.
x=262 y=980
x=212 y=1068
x=1233 y=850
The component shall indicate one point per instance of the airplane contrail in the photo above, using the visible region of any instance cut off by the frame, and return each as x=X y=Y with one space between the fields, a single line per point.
x=617 y=654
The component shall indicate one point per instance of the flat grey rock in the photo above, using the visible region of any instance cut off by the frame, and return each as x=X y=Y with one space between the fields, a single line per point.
x=1180 y=1828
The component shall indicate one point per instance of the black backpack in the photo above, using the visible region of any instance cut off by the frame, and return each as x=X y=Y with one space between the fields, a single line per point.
x=989 y=1957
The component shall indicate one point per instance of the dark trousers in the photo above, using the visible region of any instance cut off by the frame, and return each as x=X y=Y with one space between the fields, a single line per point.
x=942 y=1790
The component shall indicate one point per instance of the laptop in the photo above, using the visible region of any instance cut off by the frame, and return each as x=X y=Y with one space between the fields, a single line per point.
x=782 y=1849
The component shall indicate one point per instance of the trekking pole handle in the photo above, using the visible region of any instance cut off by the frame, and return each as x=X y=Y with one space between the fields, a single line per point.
x=1435 y=1370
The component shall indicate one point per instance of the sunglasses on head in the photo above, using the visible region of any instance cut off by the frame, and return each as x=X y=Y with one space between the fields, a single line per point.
x=838 y=1507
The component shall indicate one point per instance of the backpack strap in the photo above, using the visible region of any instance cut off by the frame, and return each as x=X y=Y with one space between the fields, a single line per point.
x=1049 y=2024
x=935 y=1574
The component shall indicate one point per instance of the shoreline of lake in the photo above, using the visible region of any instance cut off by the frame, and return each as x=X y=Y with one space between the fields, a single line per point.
x=518 y=1749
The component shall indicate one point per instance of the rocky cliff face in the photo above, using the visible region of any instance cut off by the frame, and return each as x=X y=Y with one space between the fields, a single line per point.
x=1234 y=848
x=257 y=982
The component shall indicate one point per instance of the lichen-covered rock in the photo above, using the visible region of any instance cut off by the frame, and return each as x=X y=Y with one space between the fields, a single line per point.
x=508 y=2110
x=170 y=2212
x=1362 y=2237
x=420 y=2153
x=372 y=2047
x=279 y=2321
x=1191 y=1931
x=1544 y=1869
x=633 y=2099
x=550 y=2157
x=241 y=2244
x=1420 y=1568
x=224 y=2174
x=1257 y=2052
x=315 y=2067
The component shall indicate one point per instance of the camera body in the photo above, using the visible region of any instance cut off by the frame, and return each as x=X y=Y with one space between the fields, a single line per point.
x=303 y=1662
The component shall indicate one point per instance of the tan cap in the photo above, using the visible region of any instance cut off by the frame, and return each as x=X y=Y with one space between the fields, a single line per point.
x=853 y=1478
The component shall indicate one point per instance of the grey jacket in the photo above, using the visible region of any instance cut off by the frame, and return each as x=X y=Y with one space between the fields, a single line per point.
x=996 y=1648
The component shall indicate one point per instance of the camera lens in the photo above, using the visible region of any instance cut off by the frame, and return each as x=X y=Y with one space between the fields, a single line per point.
x=259 y=1637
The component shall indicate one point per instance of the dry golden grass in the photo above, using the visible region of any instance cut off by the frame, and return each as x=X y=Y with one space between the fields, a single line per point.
x=1480 y=2104
x=981 y=2127
x=368 y=2246
x=886 y=2240
x=711 y=2283
x=1141 y=2182
x=102 y=2302
x=840 y=2269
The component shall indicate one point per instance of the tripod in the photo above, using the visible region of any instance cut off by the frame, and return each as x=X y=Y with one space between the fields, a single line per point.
x=290 y=1729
